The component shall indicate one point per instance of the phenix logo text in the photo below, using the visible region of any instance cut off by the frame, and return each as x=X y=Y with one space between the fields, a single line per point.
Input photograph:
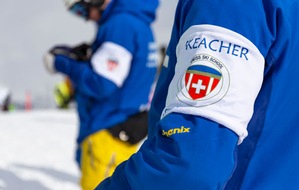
x=175 y=131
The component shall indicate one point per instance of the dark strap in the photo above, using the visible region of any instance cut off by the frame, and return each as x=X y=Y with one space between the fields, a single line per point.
x=133 y=130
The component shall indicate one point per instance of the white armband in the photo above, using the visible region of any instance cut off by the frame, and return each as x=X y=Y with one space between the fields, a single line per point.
x=218 y=75
x=113 y=62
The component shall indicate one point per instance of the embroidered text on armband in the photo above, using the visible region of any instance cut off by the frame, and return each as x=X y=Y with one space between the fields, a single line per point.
x=218 y=46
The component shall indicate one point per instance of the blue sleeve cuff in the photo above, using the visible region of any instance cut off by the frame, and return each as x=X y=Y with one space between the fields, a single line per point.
x=63 y=64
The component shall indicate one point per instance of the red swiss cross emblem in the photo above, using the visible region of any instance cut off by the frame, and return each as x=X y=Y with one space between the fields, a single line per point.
x=201 y=80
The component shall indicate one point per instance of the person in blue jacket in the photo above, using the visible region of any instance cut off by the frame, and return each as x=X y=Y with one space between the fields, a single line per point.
x=230 y=74
x=112 y=85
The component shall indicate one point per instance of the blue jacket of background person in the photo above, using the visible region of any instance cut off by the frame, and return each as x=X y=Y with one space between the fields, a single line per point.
x=102 y=102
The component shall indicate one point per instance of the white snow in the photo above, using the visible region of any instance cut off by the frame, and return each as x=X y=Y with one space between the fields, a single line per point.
x=37 y=150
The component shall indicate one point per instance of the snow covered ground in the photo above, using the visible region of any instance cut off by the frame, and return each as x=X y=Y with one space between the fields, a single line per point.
x=37 y=150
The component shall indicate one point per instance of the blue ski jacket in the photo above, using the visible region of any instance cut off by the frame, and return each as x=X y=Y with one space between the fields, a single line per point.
x=230 y=77
x=116 y=82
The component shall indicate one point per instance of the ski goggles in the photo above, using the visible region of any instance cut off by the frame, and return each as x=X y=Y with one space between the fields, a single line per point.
x=80 y=9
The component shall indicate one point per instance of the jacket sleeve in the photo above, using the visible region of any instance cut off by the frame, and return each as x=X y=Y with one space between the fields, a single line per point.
x=84 y=78
x=185 y=153
x=215 y=68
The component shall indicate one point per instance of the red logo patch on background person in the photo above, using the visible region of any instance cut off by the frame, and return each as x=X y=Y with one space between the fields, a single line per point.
x=112 y=64
x=201 y=80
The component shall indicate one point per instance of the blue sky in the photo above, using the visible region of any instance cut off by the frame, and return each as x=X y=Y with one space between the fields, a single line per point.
x=29 y=28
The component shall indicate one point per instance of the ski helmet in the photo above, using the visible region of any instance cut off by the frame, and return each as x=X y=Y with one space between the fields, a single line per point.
x=81 y=7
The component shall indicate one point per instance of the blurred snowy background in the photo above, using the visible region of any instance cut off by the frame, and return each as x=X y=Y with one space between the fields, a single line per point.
x=30 y=28
x=37 y=150
x=37 y=146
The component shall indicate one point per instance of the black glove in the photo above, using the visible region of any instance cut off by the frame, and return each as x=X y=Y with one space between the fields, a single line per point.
x=81 y=52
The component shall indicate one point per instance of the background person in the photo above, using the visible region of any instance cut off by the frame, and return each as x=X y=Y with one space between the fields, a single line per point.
x=5 y=98
x=112 y=88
